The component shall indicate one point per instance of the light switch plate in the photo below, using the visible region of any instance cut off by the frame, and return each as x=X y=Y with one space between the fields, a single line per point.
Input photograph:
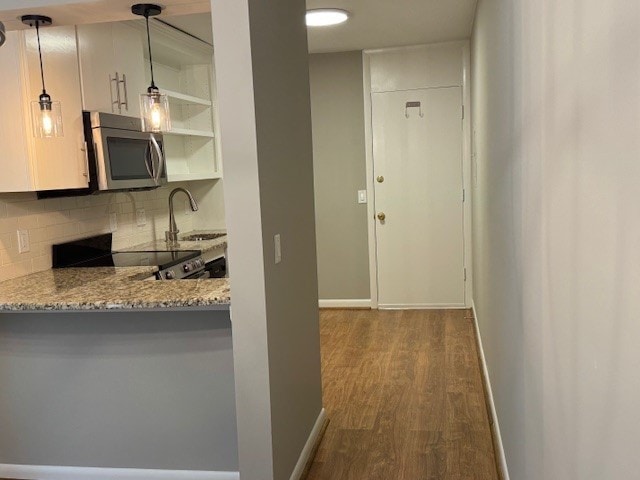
x=278 y=248
x=141 y=217
x=362 y=196
x=23 y=241
x=113 y=221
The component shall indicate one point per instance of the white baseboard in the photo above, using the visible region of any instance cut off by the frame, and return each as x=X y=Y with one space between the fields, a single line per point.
x=421 y=306
x=42 y=472
x=348 y=303
x=495 y=427
x=309 y=447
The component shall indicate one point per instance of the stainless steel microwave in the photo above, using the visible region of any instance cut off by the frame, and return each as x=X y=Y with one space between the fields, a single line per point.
x=126 y=158
x=120 y=156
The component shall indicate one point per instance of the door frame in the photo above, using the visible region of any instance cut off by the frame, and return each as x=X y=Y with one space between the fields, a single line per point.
x=466 y=171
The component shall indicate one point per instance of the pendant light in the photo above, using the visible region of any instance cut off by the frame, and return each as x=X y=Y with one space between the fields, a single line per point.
x=154 y=106
x=46 y=115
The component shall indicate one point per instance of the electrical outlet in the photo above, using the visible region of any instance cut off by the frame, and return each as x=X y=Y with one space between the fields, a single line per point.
x=113 y=222
x=278 y=248
x=141 y=217
x=362 y=196
x=23 y=241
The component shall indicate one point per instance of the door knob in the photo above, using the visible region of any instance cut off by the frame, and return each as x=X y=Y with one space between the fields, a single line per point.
x=381 y=216
x=380 y=179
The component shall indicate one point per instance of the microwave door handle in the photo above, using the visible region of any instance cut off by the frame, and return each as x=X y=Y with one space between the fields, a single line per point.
x=161 y=159
x=148 y=162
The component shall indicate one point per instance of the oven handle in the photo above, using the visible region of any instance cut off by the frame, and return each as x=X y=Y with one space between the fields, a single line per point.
x=197 y=276
x=161 y=160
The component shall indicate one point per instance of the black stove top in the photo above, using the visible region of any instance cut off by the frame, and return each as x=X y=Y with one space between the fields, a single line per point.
x=161 y=259
x=96 y=252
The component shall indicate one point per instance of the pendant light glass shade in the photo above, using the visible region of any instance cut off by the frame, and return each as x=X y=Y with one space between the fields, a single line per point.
x=154 y=106
x=46 y=115
x=154 y=109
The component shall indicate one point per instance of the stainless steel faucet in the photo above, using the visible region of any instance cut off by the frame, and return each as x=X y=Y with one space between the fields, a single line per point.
x=171 y=235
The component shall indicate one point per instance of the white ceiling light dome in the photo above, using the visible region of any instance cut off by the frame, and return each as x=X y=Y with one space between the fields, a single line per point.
x=325 y=17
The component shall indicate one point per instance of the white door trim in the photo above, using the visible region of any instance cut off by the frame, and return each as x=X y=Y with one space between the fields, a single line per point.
x=466 y=169
x=371 y=205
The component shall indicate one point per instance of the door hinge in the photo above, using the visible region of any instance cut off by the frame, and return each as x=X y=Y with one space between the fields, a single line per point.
x=465 y=274
x=464 y=195
x=463 y=112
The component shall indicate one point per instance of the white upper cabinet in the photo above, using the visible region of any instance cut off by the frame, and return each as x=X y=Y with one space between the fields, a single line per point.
x=112 y=67
x=28 y=163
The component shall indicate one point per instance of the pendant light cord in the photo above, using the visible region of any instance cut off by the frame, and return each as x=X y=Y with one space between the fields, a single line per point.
x=44 y=91
x=153 y=83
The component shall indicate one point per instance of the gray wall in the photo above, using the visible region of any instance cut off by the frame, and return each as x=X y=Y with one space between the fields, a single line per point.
x=556 y=232
x=337 y=113
x=122 y=390
x=265 y=120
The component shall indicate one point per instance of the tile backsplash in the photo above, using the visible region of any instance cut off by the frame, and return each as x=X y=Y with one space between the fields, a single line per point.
x=59 y=220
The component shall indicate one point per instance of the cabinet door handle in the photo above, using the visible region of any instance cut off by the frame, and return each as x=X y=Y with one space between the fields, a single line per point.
x=85 y=166
x=115 y=103
x=126 y=96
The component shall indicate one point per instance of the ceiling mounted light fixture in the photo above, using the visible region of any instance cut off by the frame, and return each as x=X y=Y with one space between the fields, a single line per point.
x=46 y=115
x=154 y=106
x=325 y=17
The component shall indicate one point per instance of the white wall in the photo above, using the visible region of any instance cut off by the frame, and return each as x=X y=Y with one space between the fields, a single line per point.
x=556 y=116
x=265 y=121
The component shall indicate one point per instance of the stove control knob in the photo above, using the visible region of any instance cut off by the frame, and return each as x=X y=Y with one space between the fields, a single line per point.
x=170 y=275
x=188 y=267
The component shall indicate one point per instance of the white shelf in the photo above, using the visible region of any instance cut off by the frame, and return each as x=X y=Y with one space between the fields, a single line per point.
x=190 y=133
x=185 y=177
x=184 y=99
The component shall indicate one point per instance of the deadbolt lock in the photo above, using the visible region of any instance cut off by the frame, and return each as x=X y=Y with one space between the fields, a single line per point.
x=381 y=216
x=380 y=179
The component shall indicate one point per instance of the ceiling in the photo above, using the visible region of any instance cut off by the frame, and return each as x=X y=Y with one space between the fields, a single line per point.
x=73 y=12
x=373 y=23
x=392 y=23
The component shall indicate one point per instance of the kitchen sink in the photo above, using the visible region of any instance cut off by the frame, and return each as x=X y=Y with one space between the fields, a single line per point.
x=198 y=237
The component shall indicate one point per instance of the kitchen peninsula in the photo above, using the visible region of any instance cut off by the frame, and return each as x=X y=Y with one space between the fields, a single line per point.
x=148 y=383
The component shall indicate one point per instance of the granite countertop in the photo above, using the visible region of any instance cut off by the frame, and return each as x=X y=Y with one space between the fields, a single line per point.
x=108 y=288
x=116 y=288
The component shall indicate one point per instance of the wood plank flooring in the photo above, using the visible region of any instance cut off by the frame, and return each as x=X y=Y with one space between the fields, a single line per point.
x=404 y=397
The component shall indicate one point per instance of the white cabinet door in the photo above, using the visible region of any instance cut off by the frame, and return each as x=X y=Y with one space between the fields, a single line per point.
x=56 y=163
x=97 y=67
x=128 y=53
x=14 y=154
x=112 y=66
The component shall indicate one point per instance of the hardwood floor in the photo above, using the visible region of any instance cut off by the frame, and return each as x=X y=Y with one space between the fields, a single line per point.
x=404 y=397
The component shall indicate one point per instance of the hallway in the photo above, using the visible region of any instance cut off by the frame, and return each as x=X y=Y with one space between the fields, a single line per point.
x=404 y=397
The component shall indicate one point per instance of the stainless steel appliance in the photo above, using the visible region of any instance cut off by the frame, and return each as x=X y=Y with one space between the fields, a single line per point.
x=126 y=157
x=119 y=156
x=96 y=252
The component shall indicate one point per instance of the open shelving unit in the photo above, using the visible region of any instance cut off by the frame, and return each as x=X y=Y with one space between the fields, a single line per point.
x=183 y=67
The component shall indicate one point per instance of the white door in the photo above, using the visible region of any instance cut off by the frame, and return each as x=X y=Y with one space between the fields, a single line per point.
x=417 y=154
